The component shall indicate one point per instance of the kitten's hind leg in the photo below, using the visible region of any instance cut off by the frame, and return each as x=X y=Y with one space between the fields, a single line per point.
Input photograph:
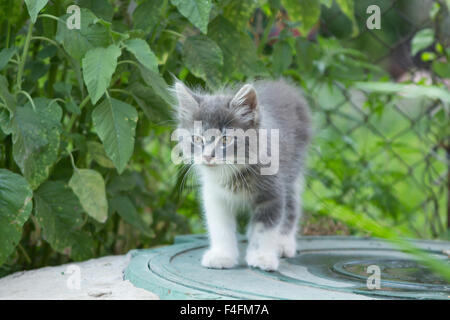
x=221 y=222
x=288 y=229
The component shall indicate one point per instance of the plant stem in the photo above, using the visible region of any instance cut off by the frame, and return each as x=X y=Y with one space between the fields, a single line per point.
x=8 y=32
x=28 y=97
x=25 y=254
x=120 y=91
x=125 y=92
x=52 y=75
x=8 y=35
x=179 y=35
x=266 y=32
x=44 y=15
x=46 y=39
x=128 y=61
x=72 y=160
x=24 y=56
x=74 y=116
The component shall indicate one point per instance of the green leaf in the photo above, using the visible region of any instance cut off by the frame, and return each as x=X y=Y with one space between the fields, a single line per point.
x=115 y=36
x=442 y=69
x=143 y=53
x=101 y=8
x=305 y=11
x=36 y=138
x=203 y=58
x=282 y=57
x=126 y=209
x=72 y=107
x=347 y=7
x=124 y=182
x=5 y=121
x=307 y=52
x=240 y=12
x=5 y=55
x=422 y=40
x=90 y=35
x=89 y=187
x=2 y=137
x=97 y=153
x=153 y=106
x=38 y=69
x=34 y=6
x=238 y=49
x=12 y=12
x=327 y=3
x=196 y=11
x=59 y=213
x=147 y=15
x=407 y=90
x=427 y=56
x=15 y=208
x=99 y=65
x=63 y=88
x=157 y=83
x=115 y=123
x=6 y=97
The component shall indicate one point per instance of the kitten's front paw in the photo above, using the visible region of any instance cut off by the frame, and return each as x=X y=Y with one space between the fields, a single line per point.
x=219 y=260
x=288 y=246
x=264 y=260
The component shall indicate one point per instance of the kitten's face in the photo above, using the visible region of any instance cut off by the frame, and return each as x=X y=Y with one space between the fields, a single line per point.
x=211 y=120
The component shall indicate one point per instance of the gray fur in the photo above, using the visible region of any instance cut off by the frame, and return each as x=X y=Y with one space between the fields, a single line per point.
x=280 y=105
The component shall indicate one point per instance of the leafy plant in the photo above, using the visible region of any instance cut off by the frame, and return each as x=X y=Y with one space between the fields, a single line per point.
x=86 y=114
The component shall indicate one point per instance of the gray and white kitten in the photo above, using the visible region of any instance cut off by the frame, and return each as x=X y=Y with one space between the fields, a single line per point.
x=273 y=199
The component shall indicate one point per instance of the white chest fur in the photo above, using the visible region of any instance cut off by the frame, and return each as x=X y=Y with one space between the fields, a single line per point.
x=214 y=185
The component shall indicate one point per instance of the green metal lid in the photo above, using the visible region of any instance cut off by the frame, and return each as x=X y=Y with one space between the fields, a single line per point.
x=324 y=268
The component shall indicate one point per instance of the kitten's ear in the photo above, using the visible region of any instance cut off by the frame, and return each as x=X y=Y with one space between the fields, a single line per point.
x=187 y=100
x=246 y=96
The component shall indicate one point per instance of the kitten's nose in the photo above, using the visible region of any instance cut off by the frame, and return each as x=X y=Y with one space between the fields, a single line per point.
x=207 y=158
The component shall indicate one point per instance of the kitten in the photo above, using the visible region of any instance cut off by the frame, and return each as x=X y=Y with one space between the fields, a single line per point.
x=273 y=107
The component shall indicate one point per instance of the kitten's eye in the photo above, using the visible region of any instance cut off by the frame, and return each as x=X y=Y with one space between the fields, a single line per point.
x=226 y=141
x=197 y=139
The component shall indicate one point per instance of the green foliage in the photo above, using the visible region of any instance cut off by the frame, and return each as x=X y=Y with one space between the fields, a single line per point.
x=34 y=6
x=86 y=115
x=238 y=50
x=96 y=152
x=203 y=58
x=89 y=187
x=307 y=12
x=239 y=11
x=347 y=7
x=408 y=90
x=143 y=53
x=99 y=65
x=101 y=8
x=126 y=209
x=59 y=213
x=8 y=99
x=115 y=123
x=77 y=42
x=15 y=208
x=147 y=14
x=196 y=11
x=36 y=137
x=422 y=40
x=282 y=57
x=5 y=55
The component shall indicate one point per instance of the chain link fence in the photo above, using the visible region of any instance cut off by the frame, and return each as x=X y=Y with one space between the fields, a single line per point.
x=386 y=155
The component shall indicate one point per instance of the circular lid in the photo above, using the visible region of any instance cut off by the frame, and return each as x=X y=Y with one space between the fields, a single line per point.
x=323 y=268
